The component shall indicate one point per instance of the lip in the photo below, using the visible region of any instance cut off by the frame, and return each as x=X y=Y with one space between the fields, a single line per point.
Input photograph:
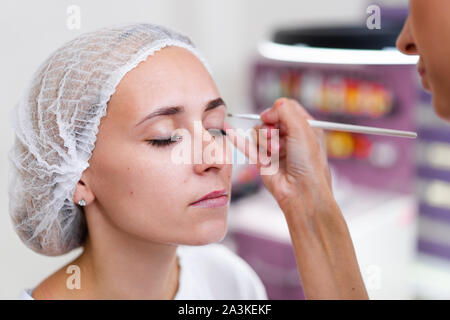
x=422 y=73
x=420 y=67
x=421 y=70
x=213 y=199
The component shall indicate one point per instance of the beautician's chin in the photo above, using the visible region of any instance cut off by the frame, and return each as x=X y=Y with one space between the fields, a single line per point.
x=425 y=84
x=441 y=107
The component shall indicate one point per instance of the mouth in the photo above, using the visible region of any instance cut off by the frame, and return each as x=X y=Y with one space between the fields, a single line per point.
x=420 y=67
x=218 y=198
x=422 y=72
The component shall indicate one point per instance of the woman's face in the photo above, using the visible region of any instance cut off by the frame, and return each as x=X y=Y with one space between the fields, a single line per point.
x=136 y=185
x=427 y=33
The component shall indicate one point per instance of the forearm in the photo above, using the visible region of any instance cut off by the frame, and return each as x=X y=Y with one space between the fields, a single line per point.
x=324 y=251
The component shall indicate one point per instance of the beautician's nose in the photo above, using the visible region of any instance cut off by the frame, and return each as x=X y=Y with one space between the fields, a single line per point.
x=405 y=41
x=208 y=164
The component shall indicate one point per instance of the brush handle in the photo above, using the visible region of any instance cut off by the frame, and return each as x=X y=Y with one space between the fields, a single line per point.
x=341 y=127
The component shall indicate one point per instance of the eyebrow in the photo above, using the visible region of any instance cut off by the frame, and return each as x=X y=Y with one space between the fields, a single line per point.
x=171 y=110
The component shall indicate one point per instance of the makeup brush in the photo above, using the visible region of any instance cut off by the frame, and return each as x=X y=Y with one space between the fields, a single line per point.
x=340 y=126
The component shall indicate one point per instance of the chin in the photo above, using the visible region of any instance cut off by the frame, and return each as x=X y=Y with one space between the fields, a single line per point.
x=209 y=232
x=442 y=108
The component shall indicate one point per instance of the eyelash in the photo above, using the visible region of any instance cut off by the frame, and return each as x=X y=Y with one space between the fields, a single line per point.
x=166 y=142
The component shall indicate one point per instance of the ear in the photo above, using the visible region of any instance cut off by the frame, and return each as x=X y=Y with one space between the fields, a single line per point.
x=83 y=191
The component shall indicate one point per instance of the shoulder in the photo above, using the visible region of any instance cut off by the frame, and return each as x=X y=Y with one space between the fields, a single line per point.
x=51 y=288
x=226 y=272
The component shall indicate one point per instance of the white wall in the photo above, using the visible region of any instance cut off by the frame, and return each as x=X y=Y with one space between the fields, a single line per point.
x=226 y=31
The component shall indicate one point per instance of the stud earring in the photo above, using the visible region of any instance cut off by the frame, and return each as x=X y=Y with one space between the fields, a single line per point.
x=82 y=202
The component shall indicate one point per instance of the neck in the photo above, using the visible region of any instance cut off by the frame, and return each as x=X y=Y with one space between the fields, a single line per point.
x=116 y=265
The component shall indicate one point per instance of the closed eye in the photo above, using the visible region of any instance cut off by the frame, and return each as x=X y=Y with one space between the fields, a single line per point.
x=177 y=138
x=165 y=142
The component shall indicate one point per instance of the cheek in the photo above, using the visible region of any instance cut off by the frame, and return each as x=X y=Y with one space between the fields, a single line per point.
x=143 y=193
x=138 y=176
x=152 y=180
x=431 y=28
x=437 y=65
x=157 y=182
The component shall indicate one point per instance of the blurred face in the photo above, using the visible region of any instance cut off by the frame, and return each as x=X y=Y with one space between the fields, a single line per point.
x=427 y=33
x=137 y=187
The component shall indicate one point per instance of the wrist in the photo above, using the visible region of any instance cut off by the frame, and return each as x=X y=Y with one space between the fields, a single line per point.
x=309 y=200
x=314 y=215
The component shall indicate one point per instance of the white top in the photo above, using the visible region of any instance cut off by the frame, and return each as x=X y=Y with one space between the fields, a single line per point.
x=210 y=272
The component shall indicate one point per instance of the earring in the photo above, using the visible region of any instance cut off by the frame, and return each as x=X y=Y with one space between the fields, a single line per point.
x=82 y=202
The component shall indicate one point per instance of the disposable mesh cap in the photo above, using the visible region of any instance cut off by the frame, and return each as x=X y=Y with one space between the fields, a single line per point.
x=56 y=122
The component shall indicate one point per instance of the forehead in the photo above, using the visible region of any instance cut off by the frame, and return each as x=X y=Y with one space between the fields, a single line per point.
x=171 y=76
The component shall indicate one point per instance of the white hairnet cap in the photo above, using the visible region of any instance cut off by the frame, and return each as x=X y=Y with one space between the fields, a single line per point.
x=56 y=122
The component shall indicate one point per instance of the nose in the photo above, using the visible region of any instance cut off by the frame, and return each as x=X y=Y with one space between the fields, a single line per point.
x=214 y=153
x=405 y=41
